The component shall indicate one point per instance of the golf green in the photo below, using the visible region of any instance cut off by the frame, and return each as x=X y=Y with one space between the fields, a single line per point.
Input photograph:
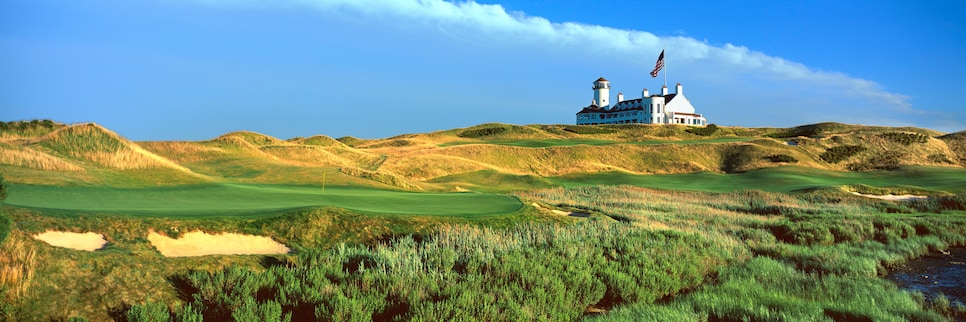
x=239 y=199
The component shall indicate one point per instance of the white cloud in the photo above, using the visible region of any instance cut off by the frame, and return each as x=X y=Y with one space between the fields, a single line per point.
x=475 y=22
x=493 y=22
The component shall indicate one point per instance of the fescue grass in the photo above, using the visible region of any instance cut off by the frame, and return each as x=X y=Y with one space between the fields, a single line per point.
x=17 y=262
x=90 y=154
x=799 y=247
x=817 y=255
x=733 y=256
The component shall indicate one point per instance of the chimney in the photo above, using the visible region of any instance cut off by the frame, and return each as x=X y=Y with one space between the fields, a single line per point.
x=644 y=93
x=678 y=89
x=664 y=90
x=620 y=97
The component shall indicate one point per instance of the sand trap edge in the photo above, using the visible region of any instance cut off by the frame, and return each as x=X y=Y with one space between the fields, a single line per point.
x=199 y=243
x=89 y=241
x=891 y=197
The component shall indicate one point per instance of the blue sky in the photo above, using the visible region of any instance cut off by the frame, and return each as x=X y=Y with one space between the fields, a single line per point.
x=195 y=69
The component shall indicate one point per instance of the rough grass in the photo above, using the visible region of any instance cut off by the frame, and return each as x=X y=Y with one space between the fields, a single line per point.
x=812 y=240
x=815 y=247
x=730 y=262
x=817 y=255
x=89 y=154
x=17 y=262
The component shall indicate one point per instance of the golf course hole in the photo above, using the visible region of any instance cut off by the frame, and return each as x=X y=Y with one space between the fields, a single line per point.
x=198 y=243
x=891 y=197
x=80 y=241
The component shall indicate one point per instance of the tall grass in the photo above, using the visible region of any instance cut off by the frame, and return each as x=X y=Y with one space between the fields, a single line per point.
x=31 y=158
x=817 y=255
x=534 y=271
x=17 y=262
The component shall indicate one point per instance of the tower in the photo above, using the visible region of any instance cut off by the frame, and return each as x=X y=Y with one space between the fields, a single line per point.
x=602 y=92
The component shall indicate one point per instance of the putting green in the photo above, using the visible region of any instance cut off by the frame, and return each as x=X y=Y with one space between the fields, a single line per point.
x=238 y=199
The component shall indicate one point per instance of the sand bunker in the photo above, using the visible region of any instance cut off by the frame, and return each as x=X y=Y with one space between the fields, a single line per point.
x=199 y=243
x=80 y=241
x=561 y=212
x=891 y=197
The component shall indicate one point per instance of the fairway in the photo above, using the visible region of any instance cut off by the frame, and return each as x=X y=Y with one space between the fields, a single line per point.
x=781 y=179
x=543 y=143
x=777 y=179
x=241 y=200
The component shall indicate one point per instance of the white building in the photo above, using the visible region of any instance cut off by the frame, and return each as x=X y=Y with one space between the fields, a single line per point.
x=661 y=108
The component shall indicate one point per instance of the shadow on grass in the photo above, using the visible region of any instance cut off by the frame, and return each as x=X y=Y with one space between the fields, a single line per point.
x=183 y=286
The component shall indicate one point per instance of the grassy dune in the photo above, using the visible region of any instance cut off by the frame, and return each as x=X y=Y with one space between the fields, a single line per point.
x=90 y=154
x=759 y=223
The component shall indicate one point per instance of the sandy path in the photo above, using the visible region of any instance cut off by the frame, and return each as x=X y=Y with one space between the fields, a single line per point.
x=80 y=241
x=199 y=243
x=891 y=197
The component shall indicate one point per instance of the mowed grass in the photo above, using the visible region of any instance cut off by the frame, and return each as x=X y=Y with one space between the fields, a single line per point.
x=782 y=179
x=252 y=200
x=543 y=143
x=777 y=179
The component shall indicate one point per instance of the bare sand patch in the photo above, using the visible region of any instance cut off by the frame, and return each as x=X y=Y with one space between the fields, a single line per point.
x=88 y=241
x=199 y=243
x=891 y=197
x=561 y=212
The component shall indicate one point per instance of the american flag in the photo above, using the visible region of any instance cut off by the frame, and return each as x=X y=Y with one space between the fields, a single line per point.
x=658 y=65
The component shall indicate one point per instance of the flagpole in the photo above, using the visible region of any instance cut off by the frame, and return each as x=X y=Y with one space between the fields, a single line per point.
x=664 y=50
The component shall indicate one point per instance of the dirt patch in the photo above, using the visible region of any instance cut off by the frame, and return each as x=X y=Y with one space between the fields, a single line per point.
x=891 y=197
x=199 y=243
x=80 y=241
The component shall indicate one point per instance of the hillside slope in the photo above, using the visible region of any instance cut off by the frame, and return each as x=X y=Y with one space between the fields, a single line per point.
x=52 y=153
x=86 y=153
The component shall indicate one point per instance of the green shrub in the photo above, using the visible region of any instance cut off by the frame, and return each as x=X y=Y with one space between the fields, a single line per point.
x=891 y=230
x=703 y=131
x=149 y=312
x=189 y=313
x=887 y=160
x=939 y=204
x=739 y=157
x=838 y=154
x=804 y=233
x=939 y=158
x=23 y=126
x=781 y=158
x=905 y=138
x=478 y=133
x=252 y=311
x=528 y=272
